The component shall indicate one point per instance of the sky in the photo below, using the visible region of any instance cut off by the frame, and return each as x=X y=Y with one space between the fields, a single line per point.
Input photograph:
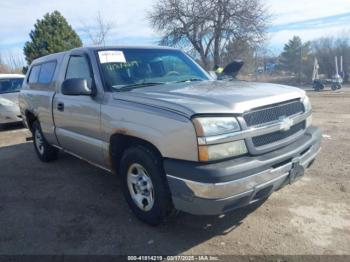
x=310 y=19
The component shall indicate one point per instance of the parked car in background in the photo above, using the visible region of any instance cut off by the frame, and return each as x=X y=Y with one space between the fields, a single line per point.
x=10 y=85
x=176 y=137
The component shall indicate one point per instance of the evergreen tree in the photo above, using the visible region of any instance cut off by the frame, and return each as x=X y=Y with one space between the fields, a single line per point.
x=295 y=54
x=52 y=34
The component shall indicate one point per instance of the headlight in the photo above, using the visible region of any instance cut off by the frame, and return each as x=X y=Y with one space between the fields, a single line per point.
x=212 y=126
x=209 y=126
x=307 y=106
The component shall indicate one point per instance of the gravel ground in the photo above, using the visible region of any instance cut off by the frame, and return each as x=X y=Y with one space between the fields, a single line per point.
x=71 y=207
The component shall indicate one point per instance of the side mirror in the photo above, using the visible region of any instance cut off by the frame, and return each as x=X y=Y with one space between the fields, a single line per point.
x=76 y=87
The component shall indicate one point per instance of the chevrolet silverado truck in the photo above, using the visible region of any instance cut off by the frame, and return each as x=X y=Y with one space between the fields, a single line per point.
x=177 y=138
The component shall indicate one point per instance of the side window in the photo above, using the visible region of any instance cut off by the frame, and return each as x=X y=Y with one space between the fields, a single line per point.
x=78 y=67
x=46 y=72
x=34 y=74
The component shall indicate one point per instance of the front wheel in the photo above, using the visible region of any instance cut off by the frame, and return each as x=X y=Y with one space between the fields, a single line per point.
x=43 y=149
x=144 y=185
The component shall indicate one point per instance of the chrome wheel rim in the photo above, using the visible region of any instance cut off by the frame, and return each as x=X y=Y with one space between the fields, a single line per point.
x=140 y=187
x=39 y=142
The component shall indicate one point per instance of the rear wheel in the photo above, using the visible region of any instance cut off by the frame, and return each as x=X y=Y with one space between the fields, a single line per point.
x=43 y=149
x=144 y=185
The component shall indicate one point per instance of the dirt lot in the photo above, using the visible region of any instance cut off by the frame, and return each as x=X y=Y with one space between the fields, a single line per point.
x=71 y=207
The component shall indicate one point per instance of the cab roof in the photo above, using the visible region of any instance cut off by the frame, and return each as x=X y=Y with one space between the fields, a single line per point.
x=58 y=56
x=98 y=48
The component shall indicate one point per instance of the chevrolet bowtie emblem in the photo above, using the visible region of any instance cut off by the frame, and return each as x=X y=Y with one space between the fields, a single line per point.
x=286 y=123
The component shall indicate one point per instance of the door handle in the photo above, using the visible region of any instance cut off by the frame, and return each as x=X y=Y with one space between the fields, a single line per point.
x=60 y=106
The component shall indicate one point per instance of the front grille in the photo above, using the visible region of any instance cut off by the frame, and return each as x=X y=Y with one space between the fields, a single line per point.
x=273 y=113
x=277 y=136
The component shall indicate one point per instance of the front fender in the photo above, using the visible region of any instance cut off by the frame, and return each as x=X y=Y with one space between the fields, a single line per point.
x=172 y=134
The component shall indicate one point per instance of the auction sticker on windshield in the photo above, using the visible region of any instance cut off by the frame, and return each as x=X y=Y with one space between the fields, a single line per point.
x=111 y=57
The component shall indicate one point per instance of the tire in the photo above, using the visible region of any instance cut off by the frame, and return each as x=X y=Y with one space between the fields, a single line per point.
x=144 y=185
x=334 y=87
x=43 y=149
x=318 y=86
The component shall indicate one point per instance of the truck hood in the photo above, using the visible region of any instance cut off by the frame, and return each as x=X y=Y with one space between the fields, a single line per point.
x=211 y=96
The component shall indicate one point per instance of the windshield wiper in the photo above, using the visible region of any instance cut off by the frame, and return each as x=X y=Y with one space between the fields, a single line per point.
x=143 y=84
x=189 y=80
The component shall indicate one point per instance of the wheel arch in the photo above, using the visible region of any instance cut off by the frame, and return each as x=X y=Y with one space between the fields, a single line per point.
x=120 y=142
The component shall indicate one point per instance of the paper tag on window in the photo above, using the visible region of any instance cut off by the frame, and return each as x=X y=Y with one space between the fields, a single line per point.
x=111 y=57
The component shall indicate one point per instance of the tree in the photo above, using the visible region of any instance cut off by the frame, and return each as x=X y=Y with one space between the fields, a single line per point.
x=240 y=49
x=52 y=34
x=15 y=62
x=3 y=67
x=99 y=33
x=295 y=54
x=11 y=63
x=208 y=26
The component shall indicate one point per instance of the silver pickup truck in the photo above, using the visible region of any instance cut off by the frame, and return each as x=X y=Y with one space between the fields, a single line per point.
x=177 y=138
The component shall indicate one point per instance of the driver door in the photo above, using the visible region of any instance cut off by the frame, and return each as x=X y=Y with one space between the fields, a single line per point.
x=77 y=118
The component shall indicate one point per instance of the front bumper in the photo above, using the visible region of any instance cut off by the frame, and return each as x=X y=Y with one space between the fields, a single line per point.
x=215 y=188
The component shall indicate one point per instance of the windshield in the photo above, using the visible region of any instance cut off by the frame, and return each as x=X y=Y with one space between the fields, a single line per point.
x=125 y=69
x=10 y=85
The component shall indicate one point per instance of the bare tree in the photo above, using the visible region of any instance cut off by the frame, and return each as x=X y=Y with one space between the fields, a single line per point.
x=3 y=68
x=11 y=63
x=99 y=32
x=209 y=25
x=15 y=62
